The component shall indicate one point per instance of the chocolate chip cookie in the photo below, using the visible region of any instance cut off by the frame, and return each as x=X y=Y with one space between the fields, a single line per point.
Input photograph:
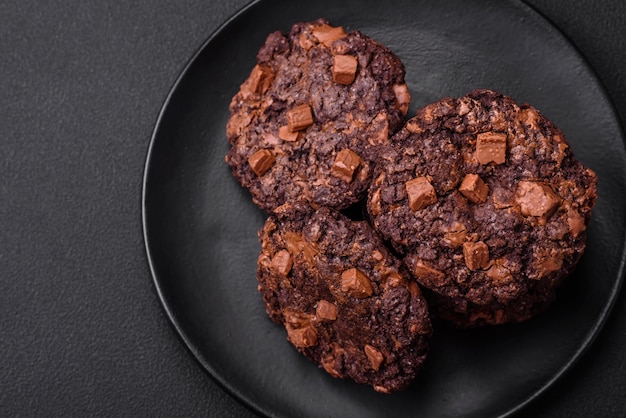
x=308 y=121
x=487 y=205
x=346 y=302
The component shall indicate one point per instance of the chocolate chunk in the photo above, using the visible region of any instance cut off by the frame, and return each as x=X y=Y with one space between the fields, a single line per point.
x=353 y=294
x=356 y=284
x=265 y=113
x=345 y=165
x=498 y=271
x=282 y=262
x=329 y=363
x=530 y=117
x=261 y=78
x=286 y=134
x=296 y=244
x=375 y=357
x=504 y=176
x=302 y=337
x=428 y=274
x=575 y=221
x=297 y=320
x=474 y=188
x=546 y=261
x=476 y=255
x=414 y=126
x=299 y=118
x=261 y=161
x=403 y=97
x=421 y=193
x=491 y=146
x=377 y=255
x=536 y=199
x=414 y=289
x=378 y=129
x=344 y=69
x=326 y=311
x=375 y=202
x=455 y=234
x=271 y=139
x=327 y=34
x=393 y=279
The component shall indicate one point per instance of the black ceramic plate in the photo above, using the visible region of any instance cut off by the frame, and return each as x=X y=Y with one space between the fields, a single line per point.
x=200 y=225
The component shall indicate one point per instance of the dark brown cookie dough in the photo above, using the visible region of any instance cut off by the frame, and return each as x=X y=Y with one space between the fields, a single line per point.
x=346 y=302
x=308 y=121
x=487 y=205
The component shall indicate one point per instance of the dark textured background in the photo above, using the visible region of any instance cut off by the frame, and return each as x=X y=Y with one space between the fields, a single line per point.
x=81 y=329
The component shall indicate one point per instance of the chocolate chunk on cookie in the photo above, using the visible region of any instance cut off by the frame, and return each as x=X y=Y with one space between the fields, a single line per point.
x=487 y=205
x=308 y=121
x=346 y=302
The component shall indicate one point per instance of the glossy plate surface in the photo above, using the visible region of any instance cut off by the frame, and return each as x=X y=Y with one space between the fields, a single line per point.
x=201 y=227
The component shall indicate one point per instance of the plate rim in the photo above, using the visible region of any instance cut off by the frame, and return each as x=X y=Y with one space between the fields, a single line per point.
x=165 y=306
x=256 y=408
x=617 y=286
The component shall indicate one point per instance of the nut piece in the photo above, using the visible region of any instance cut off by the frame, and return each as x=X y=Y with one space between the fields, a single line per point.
x=302 y=337
x=326 y=310
x=356 y=284
x=299 y=118
x=474 y=188
x=261 y=78
x=346 y=163
x=282 y=262
x=403 y=97
x=491 y=146
x=261 y=161
x=344 y=69
x=421 y=193
x=375 y=357
x=327 y=34
x=536 y=199
x=285 y=134
x=476 y=255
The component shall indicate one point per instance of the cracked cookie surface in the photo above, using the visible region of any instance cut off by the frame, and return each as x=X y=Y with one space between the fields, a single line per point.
x=346 y=302
x=486 y=204
x=308 y=121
